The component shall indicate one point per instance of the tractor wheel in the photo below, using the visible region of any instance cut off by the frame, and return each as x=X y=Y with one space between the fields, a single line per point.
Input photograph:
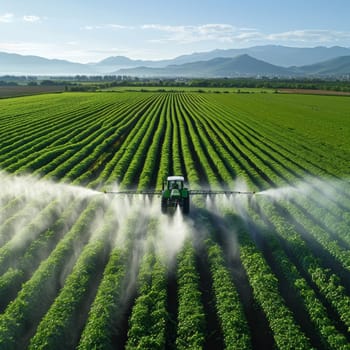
x=164 y=206
x=186 y=206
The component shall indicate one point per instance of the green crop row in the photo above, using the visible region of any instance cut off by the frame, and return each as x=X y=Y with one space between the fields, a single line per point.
x=15 y=246
x=137 y=155
x=208 y=139
x=290 y=120
x=329 y=335
x=59 y=326
x=286 y=332
x=56 y=124
x=165 y=166
x=291 y=253
x=134 y=124
x=130 y=145
x=184 y=147
x=106 y=310
x=191 y=316
x=147 y=323
x=200 y=149
x=176 y=150
x=152 y=157
x=40 y=248
x=38 y=292
x=229 y=308
x=326 y=282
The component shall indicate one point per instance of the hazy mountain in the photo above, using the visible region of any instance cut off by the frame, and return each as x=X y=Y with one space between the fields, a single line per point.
x=336 y=66
x=242 y=65
x=274 y=54
x=281 y=56
x=277 y=55
x=34 y=65
x=113 y=63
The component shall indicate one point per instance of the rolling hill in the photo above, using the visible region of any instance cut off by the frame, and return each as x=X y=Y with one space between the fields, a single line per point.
x=278 y=55
x=255 y=61
x=243 y=65
x=275 y=54
x=11 y=63
x=336 y=66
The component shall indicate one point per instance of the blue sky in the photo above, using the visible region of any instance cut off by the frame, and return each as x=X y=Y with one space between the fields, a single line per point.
x=90 y=30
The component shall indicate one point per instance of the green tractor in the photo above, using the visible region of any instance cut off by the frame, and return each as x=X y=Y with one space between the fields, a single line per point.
x=175 y=194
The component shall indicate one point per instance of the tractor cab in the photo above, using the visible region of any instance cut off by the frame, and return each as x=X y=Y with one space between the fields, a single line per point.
x=175 y=186
x=175 y=194
x=175 y=182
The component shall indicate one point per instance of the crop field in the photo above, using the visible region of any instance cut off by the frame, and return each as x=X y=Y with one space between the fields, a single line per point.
x=82 y=269
x=24 y=90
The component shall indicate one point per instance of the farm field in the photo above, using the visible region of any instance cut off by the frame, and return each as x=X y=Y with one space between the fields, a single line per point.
x=81 y=269
x=24 y=90
x=187 y=89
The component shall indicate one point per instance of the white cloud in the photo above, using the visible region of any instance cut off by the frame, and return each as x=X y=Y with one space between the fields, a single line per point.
x=163 y=28
x=87 y=28
x=6 y=18
x=106 y=26
x=10 y=17
x=190 y=34
x=31 y=18
x=226 y=33
x=25 y=48
x=169 y=40
x=118 y=26
x=320 y=36
x=68 y=51
x=248 y=36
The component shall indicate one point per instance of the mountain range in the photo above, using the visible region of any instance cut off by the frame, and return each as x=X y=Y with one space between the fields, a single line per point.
x=15 y=64
x=243 y=66
x=268 y=60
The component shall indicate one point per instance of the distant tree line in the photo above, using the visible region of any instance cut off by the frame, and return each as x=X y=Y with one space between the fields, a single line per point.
x=93 y=83
x=265 y=83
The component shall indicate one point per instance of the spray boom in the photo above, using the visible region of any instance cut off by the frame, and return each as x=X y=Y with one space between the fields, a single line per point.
x=132 y=192
x=174 y=194
x=228 y=192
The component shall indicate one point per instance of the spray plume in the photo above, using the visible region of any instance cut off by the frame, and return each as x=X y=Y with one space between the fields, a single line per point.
x=34 y=195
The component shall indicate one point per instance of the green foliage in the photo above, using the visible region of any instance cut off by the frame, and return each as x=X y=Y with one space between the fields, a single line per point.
x=191 y=317
x=229 y=308
x=38 y=292
x=286 y=331
x=136 y=138
x=107 y=307
x=148 y=319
